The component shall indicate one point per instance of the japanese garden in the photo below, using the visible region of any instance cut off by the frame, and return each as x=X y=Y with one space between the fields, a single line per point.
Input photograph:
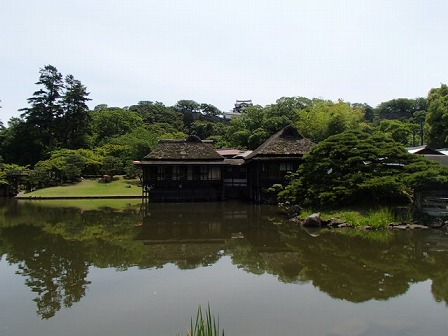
x=179 y=205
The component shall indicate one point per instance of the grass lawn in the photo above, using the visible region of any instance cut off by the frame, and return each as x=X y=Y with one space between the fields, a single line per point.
x=89 y=188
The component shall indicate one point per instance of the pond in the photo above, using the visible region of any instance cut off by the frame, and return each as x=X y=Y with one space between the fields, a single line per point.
x=71 y=268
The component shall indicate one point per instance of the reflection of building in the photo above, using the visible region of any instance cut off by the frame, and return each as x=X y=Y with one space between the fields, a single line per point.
x=215 y=223
x=192 y=170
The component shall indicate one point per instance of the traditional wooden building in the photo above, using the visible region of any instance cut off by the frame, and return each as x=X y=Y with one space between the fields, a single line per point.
x=192 y=170
x=269 y=163
x=178 y=170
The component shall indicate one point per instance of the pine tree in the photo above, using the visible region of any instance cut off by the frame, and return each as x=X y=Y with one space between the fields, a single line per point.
x=45 y=112
x=77 y=118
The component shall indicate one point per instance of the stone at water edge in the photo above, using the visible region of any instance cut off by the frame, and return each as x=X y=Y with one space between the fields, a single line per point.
x=313 y=220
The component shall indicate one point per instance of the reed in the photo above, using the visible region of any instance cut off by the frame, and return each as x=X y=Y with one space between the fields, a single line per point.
x=205 y=324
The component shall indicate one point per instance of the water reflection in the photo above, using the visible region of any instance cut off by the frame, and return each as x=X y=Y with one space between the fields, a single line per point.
x=54 y=247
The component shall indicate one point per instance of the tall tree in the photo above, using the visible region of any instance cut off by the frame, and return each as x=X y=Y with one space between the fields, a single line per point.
x=19 y=143
x=77 y=118
x=45 y=112
x=187 y=108
x=157 y=112
x=437 y=117
x=209 y=109
x=113 y=122
x=324 y=119
x=400 y=108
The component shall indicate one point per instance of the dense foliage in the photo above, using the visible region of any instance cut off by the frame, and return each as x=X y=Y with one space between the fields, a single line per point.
x=359 y=167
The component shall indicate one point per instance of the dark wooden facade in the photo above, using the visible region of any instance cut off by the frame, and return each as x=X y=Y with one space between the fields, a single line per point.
x=269 y=163
x=180 y=170
x=192 y=170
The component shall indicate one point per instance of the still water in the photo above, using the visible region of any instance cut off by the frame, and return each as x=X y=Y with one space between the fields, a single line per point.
x=121 y=268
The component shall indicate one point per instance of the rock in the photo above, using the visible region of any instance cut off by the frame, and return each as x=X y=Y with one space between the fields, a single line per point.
x=313 y=220
x=400 y=227
x=437 y=224
x=417 y=226
x=335 y=222
x=292 y=210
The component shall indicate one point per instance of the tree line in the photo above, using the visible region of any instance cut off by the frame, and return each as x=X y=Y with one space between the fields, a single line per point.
x=58 y=138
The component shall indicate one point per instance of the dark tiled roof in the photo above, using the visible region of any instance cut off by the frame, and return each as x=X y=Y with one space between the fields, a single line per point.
x=191 y=148
x=287 y=142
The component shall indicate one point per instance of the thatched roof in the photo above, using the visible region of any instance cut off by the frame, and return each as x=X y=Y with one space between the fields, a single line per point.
x=188 y=149
x=286 y=143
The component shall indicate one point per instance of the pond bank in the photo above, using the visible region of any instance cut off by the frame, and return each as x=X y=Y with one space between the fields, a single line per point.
x=24 y=197
x=88 y=189
x=316 y=221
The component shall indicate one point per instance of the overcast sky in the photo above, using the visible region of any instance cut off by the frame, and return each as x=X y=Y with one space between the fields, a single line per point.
x=217 y=51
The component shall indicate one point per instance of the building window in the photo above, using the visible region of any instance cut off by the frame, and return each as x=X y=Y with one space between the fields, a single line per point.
x=160 y=173
x=286 y=166
x=176 y=173
x=203 y=173
x=214 y=173
x=183 y=173
x=168 y=173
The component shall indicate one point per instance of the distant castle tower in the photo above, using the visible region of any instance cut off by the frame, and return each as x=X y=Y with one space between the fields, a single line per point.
x=240 y=105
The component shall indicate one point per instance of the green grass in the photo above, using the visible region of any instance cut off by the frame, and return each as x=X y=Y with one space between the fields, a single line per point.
x=89 y=188
x=361 y=217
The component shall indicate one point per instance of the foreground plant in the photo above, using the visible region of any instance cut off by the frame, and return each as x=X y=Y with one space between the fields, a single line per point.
x=205 y=324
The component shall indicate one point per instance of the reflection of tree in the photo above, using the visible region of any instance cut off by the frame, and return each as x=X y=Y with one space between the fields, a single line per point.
x=186 y=256
x=354 y=267
x=439 y=287
x=53 y=248
x=436 y=250
x=245 y=256
x=350 y=268
x=358 y=269
x=55 y=269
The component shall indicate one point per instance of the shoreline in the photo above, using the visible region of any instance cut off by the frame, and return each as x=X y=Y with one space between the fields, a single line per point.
x=23 y=197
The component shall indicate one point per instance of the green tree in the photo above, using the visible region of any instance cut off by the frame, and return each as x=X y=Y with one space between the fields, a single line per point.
x=418 y=122
x=399 y=131
x=21 y=143
x=113 y=122
x=188 y=108
x=77 y=119
x=209 y=109
x=112 y=166
x=157 y=112
x=185 y=106
x=358 y=167
x=139 y=142
x=257 y=138
x=324 y=119
x=369 y=111
x=401 y=108
x=63 y=166
x=46 y=110
x=437 y=117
